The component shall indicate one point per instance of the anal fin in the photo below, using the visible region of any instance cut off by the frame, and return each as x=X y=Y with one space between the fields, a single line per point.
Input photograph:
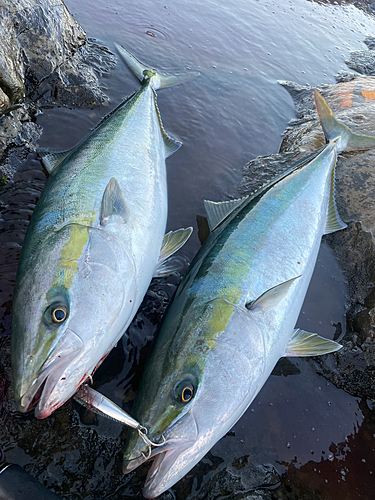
x=304 y=343
x=172 y=242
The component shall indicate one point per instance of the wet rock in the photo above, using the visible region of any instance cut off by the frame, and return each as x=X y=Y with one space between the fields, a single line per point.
x=363 y=61
x=262 y=170
x=240 y=481
x=4 y=101
x=45 y=58
x=353 y=367
x=41 y=43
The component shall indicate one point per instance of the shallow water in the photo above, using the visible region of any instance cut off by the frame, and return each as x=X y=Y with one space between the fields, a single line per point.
x=233 y=112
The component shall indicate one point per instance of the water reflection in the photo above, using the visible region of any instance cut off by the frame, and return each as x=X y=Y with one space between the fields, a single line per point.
x=345 y=471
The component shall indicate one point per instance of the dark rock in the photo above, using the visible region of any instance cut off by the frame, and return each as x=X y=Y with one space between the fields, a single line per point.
x=364 y=61
x=41 y=43
x=354 y=367
x=262 y=170
x=240 y=481
x=45 y=58
x=345 y=76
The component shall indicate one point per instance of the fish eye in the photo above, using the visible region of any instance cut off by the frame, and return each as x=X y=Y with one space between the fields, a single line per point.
x=56 y=313
x=184 y=392
x=187 y=394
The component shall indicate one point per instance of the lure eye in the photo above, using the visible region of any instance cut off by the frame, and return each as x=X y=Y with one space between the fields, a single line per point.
x=56 y=313
x=184 y=392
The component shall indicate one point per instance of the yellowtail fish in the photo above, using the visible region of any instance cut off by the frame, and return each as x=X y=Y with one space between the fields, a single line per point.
x=95 y=240
x=235 y=311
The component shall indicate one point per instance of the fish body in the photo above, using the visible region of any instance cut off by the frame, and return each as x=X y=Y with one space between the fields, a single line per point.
x=91 y=249
x=234 y=314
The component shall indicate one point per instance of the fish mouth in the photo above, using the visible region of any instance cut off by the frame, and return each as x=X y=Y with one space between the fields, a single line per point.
x=46 y=392
x=171 y=461
x=162 y=461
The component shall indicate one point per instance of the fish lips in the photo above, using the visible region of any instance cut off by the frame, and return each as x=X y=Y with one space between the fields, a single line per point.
x=41 y=392
x=164 y=472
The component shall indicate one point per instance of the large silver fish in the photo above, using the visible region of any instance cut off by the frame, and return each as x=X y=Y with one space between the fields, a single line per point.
x=95 y=240
x=235 y=312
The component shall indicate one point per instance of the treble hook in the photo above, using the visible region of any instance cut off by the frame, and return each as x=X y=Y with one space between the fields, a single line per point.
x=142 y=431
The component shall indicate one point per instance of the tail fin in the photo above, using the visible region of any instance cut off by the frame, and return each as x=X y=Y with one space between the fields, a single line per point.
x=158 y=80
x=333 y=129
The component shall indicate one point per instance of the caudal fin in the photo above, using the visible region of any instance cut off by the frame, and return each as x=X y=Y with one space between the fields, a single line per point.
x=333 y=129
x=144 y=73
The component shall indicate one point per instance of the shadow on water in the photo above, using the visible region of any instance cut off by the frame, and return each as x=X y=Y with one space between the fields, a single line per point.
x=300 y=425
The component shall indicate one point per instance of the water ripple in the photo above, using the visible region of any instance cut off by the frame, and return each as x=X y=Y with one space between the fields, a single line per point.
x=154 y=31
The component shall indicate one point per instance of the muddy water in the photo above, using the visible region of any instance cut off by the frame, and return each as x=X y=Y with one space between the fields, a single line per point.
x=319 y=435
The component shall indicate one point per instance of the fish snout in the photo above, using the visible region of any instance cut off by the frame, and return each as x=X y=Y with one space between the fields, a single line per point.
x=50 y=389
x=136 y=451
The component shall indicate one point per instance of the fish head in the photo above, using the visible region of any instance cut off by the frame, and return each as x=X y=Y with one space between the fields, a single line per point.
x=73 y=296
x=193 y=390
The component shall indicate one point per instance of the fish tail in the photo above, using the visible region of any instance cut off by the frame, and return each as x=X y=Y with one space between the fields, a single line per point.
x=158 y=80
x=337 y=131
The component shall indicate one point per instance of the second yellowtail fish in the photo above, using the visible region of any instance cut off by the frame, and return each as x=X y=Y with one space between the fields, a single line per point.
x=235 y=312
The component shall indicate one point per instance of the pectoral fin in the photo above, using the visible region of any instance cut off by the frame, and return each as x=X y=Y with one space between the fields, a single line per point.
x=271 y=297
x=113 y=202
x=309 y=344
x=172 y=242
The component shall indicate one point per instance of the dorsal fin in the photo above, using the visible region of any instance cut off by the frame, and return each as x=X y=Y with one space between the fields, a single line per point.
x=217 y=211
x=53 y=158
x=113 y=202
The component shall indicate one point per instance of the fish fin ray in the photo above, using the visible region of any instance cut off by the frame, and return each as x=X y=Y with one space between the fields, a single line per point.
x=271 y=297
x=303 y=343
x=169 y=266
x=172 y=242
x=52 y=159
x=334 y=221
x=334 y=129
x=217 y=211
x=113 y=202
x=170 y=145
x=157 y=80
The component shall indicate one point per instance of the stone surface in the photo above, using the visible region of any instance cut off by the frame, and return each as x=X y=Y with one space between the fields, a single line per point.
x=45 y=58
x=44 y=52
